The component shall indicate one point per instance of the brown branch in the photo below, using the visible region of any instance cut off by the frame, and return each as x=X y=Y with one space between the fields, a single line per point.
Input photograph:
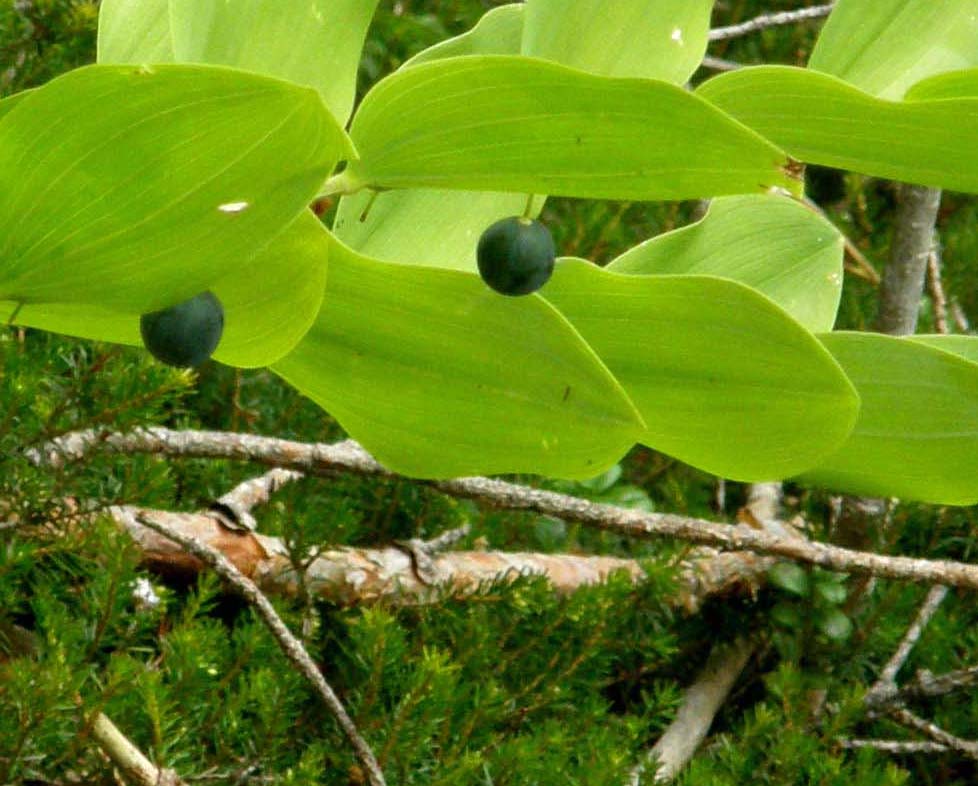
x=237 y=504
x=929 y=729
x=131 y=761
x=936 y=290
x=289 y=644
x=348 y=456
x=770 y=20
x=350 y=576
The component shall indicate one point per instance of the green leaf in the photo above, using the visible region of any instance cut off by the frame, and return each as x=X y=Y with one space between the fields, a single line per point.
x=955 y=84
x=518 y=124
x=656 y=39
x=773 y=244
x=134 y=31
x=789 y=577
x=498 y=32
x=835 y=624
x=917 y=433
x=822 y=120
x=884 y=46
x=963 y=346
x=10 y=102
x=310 y=42
x=438 y=376
x=172 y=177
x=831 y=592
x=269 y=302
x=420 y=226
x=725 y=380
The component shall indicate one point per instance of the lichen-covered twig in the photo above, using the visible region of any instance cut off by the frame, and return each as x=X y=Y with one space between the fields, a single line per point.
x=237 y=504
x=770 y=20
x=896 y=746
x=131 y=761
x=289 y=644
x=936 y=289
x=348 y=456
x=930 y=729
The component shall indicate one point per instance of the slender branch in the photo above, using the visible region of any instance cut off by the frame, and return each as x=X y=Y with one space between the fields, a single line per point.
x=348 y=456
x=906 y=718
x=289 y=644
x=895 y=746
x=719 y=63
x=903 y=278
x=701 y=702
x=237 y=504
x=770 y=20
x=936 y=290
x=128 y=758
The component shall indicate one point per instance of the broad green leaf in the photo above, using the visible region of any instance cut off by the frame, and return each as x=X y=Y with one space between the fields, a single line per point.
x=172 y=177
x=438 y=376
x=773 y=244
x=884 y=46
x=440 y=228
x=725 y=380
x=954 y=84
x=10 y=102
x=656 y=39
x=917 y=433
x=134 y=31
x=498 y=32
x=310 y=42
x=822 y=120
x=964 y=346
x=498 y=123
x=269 y=302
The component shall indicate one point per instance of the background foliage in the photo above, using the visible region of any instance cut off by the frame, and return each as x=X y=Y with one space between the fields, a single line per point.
x=515 y=686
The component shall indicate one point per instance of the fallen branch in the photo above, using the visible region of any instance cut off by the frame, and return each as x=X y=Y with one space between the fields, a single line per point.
x=348 y=456
x=131 y=761
x=770 y=20
x=289 y=644
x=896 y=746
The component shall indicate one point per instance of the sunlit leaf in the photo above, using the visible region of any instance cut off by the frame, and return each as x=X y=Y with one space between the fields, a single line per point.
x=134 y=31
x=884 y=46
x=439 y=376
x=269 y=302
x=657 y=39
x=519 y=124
x=498 y=32
x=773 y=244
x=311 y=42
x=725 y=380
x=965 y=346
x=171 y=178
x=917 y=433
x=822 y=120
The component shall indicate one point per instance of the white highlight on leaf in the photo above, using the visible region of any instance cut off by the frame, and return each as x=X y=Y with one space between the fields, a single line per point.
x=677 y=36
x=233 y=207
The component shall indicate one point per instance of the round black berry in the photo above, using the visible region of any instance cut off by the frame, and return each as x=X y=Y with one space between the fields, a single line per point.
x=185 y=334
x=516 y=256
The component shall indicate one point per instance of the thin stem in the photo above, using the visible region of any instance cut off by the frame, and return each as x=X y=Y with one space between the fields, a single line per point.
x=770 y=20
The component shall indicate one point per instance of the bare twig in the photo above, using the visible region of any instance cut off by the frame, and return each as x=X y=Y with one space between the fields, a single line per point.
x=700 y=704
x=903 y=278
x=236 y=505
x=128 y=758
x=887 y=679
x=770 y=20
x=906 y=718
x=936 y=289
x=895 y=746
x=446 y=539
x=289 y=644
x=928 y=685
x=719 y=64
x=961 y=321
x=348 y=456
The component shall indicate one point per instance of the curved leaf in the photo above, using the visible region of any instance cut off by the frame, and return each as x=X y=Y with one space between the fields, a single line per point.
x=823 y=120
x=724 y=379
x=310 y=42
x=438 y=376
x=655 y=39
x=171 y=178
x=963 y=346
x=884 y=46
x=917 y=433
x=520 y=124
x=773 y=244
x=269 y=302
x=954 y=84
x=134 y=31
x=498 y=32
